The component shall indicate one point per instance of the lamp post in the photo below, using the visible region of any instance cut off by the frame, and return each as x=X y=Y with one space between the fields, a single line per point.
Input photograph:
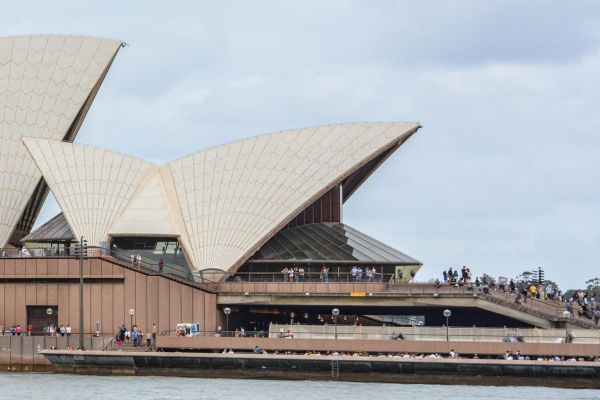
x=131 y=314
x=566 y=316
x=447 y=314
x=48 y=313
x=335 y=313
x=81 y=252
x=227 y=311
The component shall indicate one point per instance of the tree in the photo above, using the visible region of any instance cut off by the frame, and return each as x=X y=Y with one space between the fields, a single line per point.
x=527 y=278
x=521 y=281
x=593 y=285
x=488 y=279
x=552 y=284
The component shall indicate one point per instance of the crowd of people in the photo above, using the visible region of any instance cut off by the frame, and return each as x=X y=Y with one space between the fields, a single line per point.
x=582 y=304
x=298 y=274
x=452 y=354
x=454 y=277
x=49 y=330
x=135 y=336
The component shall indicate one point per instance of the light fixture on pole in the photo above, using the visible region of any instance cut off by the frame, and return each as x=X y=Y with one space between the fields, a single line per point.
x=335 y=313
x=81 y=252
x=227 y=311
x=566 y=316
x=447 y=314
x=131 y=314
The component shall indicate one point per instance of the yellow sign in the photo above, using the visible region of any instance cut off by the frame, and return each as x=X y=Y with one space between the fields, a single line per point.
x=358 y=294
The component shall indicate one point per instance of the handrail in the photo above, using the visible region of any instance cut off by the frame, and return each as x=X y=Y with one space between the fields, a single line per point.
x=151 y=345
x=397 y=333
x=307 y=277
x=110 y=344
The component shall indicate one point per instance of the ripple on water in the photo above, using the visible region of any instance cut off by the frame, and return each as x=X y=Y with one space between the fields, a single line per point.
x=65 y=387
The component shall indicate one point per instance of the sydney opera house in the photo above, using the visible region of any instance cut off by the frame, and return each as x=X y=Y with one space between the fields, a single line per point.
x=234 y=213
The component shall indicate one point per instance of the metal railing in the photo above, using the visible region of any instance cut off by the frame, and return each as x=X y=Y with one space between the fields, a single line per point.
x=124 y=257
x=313 y=277
x=153 y=341
x=417 y=334
x=474 y=334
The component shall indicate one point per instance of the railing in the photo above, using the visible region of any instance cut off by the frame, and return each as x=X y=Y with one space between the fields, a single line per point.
x=474 y=334
x=153 y=341
x=110 y=345
x=123 y=256
x=333 y=277
x=416 y=334
x=142 y=264
x=544 y=307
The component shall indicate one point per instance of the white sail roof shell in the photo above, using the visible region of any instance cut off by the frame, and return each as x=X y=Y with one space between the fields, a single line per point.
x=47 y=82
x=222 y=203
x=92 y=186
x=234 y=197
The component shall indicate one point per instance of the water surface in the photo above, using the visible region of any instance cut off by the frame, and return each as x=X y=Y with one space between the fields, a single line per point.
x=65 y=387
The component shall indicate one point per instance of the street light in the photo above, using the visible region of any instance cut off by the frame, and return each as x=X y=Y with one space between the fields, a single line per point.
x=335 y=313
x=566 y=316
x=131 y=314
x=447 y=314
x=227 y=311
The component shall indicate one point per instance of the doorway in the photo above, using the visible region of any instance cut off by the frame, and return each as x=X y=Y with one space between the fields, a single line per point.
x=40 y=317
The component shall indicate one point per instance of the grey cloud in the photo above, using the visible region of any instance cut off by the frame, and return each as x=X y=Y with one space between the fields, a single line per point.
x=502 y=177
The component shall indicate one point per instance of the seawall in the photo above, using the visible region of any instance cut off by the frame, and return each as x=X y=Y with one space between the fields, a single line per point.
x=372 y=369
x=22 y=353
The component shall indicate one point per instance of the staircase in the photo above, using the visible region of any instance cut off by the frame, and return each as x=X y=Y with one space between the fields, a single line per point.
x=539 y=308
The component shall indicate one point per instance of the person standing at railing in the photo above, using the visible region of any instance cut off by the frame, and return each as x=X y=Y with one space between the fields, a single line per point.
x=324 y=274
x=301 y=274
x=569 y=306
x=138 y=260
x=161 y=265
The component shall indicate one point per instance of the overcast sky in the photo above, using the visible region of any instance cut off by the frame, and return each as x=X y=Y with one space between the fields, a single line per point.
x=504 y=175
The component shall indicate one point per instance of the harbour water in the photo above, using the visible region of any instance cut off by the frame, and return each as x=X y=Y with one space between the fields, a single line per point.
x=65 y=387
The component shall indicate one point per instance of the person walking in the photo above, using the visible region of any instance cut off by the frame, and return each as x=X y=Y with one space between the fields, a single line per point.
x=161 y=265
